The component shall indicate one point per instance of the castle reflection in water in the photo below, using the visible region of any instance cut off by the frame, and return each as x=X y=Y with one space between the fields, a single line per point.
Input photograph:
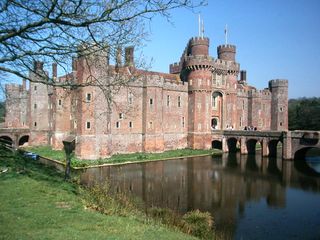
x=219 y=185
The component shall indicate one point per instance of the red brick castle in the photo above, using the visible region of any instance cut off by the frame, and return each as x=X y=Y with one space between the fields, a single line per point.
x=150 y=111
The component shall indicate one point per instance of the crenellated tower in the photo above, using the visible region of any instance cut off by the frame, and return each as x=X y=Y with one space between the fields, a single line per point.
x=227 y=52
x=198 y=73
x=279 y=104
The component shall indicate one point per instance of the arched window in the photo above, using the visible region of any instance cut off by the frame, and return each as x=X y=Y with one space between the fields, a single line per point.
x=215 y=99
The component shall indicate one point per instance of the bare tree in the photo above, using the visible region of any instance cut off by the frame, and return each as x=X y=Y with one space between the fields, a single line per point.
x=52 y=31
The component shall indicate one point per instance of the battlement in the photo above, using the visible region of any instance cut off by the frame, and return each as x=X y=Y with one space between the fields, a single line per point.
x=198 y=46
x=227 y=46
x=174 y=68
x=227 y=52
x=199 y=40
x=13 y=87
x=278 y=83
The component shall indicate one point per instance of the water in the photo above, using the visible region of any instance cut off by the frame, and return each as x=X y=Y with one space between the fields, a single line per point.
x=250 y=197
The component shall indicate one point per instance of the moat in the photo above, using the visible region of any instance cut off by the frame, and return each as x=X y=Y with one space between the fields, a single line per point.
x=250 y=197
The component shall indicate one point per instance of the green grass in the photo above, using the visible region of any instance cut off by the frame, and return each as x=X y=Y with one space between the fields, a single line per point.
x=37 y=204
x=46 y=151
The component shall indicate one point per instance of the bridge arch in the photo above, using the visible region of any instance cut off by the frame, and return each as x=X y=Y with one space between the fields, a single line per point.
x=6 y=139
x=273 y=147
x=216 y=144
x=301 y=153
x=305 y=166
x=251 y=145
x=23 y=139
x=232 y=144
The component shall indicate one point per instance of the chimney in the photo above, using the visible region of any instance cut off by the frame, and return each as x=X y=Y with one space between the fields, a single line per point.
x=54 y=71
x=38 y=65
x=129 y=51
x=243 y=76
x=74 y=64
x=119 y=57
x=24 y=84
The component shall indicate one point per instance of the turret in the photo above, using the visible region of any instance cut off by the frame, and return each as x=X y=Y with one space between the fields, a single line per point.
x=227 y=52
x=129 y=56
x=279 y=104
x=198 y=66
x=199 y=46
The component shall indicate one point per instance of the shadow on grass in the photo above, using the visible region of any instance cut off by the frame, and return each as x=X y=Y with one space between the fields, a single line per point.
x=13 y=164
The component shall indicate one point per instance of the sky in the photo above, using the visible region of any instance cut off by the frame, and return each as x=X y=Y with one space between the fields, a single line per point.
x=275 y=39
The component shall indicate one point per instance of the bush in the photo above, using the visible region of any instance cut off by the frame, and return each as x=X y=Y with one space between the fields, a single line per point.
x=164 y=215
x=199 y=224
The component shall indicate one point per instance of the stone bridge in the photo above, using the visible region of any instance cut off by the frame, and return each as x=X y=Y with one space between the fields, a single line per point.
x=15 y=136
x=293 y=142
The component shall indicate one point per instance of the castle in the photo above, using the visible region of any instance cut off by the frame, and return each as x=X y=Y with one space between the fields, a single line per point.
x=132 y=110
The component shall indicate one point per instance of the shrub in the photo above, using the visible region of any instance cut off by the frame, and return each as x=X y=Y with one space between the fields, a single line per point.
x=199 y=224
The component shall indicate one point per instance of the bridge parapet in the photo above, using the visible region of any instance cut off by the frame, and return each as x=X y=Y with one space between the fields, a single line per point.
x=257 y=134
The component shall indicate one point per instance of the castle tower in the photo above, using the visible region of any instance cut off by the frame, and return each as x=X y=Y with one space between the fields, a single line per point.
x=39 y=107
x=198 y=66
x=16 y=105
x=279 y=104
x=227 y=52
x=227 y=55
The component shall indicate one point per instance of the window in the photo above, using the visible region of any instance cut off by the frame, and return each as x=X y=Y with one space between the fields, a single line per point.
x=130 y=98
x=151 y=101
x=35 y=124
x=168 y=101
x=281 y=109
x=59 y=102
x=35 y=88
x=179 y=101
x=88 y=125
x=35 y=106
x=182 y=122
x=215 y=98
x=88 y=97
x=120 y=115
x=130 y=124
x=150 y=125
x=243 y=106
x=75 y=124
x=240 y=122
x=117 y=124
x=280 y=123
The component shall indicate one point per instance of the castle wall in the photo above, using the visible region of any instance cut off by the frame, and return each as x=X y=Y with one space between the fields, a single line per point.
x=62 y=116
x=16 y=106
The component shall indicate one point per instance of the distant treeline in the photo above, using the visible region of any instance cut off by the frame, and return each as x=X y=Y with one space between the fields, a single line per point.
x=304 y=114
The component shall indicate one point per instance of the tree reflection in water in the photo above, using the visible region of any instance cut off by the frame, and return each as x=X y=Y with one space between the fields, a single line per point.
x=229 y=187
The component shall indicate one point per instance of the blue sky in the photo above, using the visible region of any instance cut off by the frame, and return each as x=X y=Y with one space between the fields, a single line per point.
x=274 y=39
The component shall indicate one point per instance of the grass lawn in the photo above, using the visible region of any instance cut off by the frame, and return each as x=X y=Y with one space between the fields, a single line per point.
x=37 y=204
x=46 y=151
